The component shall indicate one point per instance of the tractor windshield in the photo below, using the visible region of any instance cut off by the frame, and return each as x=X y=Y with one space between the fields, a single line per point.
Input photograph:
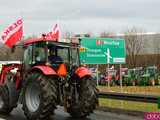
x=58 y=54
x=63 y=53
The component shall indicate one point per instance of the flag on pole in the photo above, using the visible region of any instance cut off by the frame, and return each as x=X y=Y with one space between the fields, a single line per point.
x=12 y=34
x=56 y=31
x=54 y=34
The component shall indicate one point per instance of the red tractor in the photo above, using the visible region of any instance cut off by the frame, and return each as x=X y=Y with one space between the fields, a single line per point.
x=9 y=86
x=49 y=75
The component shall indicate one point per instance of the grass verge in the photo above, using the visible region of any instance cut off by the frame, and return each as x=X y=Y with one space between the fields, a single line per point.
x=148 y=90
x=129 y=105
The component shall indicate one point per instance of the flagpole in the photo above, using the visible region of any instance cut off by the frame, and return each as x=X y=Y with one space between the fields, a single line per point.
x=21 y=16
x=58 y=23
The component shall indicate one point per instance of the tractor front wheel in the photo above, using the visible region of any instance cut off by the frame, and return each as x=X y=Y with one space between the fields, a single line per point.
x=39 y=100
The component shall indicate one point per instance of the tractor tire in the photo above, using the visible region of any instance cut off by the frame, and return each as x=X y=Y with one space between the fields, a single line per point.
x=39 y=97
x=88 y=99
x=8 y=98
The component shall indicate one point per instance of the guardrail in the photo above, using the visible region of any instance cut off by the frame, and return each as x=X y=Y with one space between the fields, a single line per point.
x=129 y=97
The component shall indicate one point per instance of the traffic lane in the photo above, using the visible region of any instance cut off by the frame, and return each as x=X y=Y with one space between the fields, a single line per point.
x=97 y=115
x=17 y=114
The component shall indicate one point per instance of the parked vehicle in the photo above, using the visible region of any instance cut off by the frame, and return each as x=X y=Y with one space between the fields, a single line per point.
x=111 y=76
x=129 y=78
x=102 y=80
x=150 y=76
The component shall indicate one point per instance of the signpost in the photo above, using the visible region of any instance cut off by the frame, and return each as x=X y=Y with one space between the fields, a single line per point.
x=102 y=51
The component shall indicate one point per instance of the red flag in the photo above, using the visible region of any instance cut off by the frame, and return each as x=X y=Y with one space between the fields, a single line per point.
x=12 y=34
x=54 y=34
x=56 y=31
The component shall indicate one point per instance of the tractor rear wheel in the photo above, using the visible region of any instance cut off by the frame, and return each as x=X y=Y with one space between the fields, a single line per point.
x=40 y=95
x=88 y=99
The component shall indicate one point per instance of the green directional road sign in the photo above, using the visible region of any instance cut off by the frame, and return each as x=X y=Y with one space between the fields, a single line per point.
x=102 y=51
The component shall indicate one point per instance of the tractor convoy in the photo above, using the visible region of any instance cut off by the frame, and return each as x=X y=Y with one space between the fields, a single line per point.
x=139 y=76
x=49 y=75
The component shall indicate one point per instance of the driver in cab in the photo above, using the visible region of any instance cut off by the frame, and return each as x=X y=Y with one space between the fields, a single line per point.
x=54 y=58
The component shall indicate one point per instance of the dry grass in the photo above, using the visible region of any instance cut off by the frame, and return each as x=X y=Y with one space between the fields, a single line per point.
x=148 y=90
x=128 y=105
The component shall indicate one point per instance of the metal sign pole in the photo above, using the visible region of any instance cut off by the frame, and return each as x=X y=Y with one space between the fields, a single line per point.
x=121 y=77
x=108 y=61
x=97 y=73
x=121 y=85
x=108 y=75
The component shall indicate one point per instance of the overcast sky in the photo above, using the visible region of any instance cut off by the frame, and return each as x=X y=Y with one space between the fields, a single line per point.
x=80 y=16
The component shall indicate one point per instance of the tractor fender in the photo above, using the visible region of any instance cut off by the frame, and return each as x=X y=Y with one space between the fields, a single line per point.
x=83 y=71
x=46 y=70
x=6 y=69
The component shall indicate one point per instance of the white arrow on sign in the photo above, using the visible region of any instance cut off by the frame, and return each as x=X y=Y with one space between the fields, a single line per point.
x=108 y=55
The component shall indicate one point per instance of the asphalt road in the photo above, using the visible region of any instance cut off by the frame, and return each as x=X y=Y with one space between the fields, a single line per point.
x=17 y=114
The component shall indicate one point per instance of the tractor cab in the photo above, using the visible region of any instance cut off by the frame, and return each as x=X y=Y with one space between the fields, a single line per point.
x=50 y=53
x=152 y=70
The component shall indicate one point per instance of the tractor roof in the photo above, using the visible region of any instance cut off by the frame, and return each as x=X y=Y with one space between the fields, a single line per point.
x=36 y=40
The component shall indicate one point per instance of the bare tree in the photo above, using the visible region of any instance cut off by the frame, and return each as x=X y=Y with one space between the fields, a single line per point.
x=7 y=54
x=134 y=44
x=156 y=47
x=4 y=53
x=107 y=35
